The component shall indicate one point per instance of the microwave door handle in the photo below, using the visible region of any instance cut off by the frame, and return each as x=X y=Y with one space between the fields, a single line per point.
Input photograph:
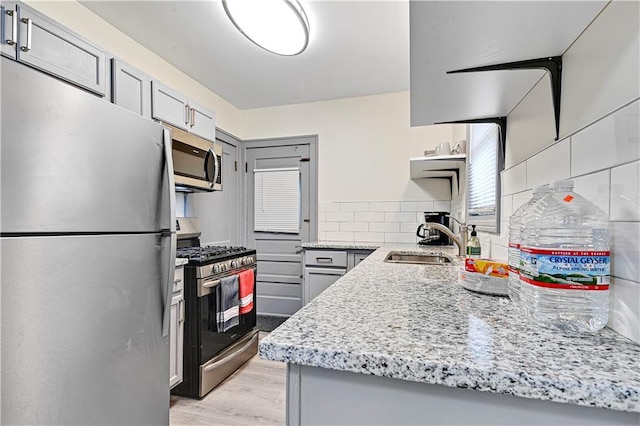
x=216 y=169
x=169 y=233
x=206 y=168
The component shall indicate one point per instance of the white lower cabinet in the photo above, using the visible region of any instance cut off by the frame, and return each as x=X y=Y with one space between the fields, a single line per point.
x=176 y=330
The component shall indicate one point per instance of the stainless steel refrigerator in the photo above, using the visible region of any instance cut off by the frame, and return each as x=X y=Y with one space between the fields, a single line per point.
x=87 y=255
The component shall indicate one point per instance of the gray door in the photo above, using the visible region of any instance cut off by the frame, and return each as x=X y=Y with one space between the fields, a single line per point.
x=72 y=162
x=219 y=210
x=279 y=280
x=82 y=330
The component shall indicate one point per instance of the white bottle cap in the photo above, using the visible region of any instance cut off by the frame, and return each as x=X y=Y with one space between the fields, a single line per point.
x=565 y=183
x=541 y=190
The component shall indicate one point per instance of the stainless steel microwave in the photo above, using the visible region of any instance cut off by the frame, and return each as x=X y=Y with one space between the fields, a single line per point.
x=197 y=163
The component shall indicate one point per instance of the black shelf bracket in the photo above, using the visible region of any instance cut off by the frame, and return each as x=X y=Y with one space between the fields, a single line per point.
x=500 y=121
x=552 y=64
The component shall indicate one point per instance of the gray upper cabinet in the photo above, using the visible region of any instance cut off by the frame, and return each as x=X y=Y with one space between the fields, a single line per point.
x=130 y=88
x=9 y=28
x=169 y=106
x=44 y=44
x=202 y=121
x=176 y=109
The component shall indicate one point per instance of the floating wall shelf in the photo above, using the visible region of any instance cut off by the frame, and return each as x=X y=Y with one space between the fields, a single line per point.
x=438 y=166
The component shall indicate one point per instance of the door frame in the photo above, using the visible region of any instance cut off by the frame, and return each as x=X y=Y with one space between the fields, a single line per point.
x=312 y=141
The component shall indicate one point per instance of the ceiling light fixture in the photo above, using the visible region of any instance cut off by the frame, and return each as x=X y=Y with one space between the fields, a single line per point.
x=279 y=26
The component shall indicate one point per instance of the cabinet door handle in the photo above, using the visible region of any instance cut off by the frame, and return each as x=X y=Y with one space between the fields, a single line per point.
x=181 y=310
x=14 y=27
x=187 y=119
x=193 y=117
x=29 y=23
x=324 y=259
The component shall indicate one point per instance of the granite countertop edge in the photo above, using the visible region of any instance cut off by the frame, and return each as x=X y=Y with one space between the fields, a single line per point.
x=341 y=245
x=598 y=371
x=448 y=374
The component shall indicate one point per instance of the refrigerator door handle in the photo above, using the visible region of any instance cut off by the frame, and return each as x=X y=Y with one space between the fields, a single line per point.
x=169 y=233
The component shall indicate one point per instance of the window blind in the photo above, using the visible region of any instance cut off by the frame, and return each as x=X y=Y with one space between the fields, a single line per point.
x=483 y=177
x=277 y=200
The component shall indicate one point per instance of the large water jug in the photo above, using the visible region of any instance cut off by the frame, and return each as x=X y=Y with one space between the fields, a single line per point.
x=515 y=225
x=565 y=262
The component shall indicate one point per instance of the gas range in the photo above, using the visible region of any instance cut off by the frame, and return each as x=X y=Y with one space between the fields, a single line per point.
x=211 y=254
x=210 y=261
x=211 y=355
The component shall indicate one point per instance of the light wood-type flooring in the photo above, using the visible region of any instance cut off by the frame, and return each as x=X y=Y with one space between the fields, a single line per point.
x=253 y=395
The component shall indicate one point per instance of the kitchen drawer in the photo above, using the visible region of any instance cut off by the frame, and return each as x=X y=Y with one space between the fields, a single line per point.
x=326 y=258
x=178 y=280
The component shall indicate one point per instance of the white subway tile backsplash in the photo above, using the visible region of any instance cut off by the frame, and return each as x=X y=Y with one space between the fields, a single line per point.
x=416 y=206
x=611 y=141
x=442 y=206
x=384 y=206
x=400 y=216
x=340 y=217
x=354 y=226
x=625 y=250
x=329 y=226
x=340 y=236
x=595 y=188
x=354 y=207
x=384 y=227
x=499 y=253
x=625 y=192
x=551 y=164
x=369 y=237
x=322 y=236
x=327 y=206
x=624 y=308
x=520 y=198
x=369 y=217
x=515 y=179
x=506 y=207
x=409 y=227
x=399 y=237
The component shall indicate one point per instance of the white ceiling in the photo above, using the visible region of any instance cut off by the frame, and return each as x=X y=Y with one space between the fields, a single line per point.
x=356 y=48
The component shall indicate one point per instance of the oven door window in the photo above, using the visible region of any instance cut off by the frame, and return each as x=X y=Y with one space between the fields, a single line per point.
x=214 y=342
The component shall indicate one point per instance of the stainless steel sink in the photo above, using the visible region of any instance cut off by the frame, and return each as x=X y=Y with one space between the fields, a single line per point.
x=418 y=258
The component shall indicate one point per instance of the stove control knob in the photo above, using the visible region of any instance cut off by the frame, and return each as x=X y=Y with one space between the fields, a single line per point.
x=234 y=263
x=216 y=268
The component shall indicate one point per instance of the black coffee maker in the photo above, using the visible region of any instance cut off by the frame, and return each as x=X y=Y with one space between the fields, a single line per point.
x=433 y=237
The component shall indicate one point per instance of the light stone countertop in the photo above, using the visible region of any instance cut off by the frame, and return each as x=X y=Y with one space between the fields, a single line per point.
x=340 y=245
x=416 y=323
x=181 y=261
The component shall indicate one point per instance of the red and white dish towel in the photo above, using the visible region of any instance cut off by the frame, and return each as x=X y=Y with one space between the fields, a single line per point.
x=247 y=284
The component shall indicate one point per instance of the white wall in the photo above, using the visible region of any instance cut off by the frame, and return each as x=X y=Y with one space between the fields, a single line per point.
x=599 y=147
x=364 y=145
x=81 y=20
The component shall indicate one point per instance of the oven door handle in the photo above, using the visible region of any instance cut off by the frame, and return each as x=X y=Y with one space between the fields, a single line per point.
x=209 y=284
x=230 y=357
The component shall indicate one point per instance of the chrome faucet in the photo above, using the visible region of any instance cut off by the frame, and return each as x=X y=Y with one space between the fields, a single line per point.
x=460 y=239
